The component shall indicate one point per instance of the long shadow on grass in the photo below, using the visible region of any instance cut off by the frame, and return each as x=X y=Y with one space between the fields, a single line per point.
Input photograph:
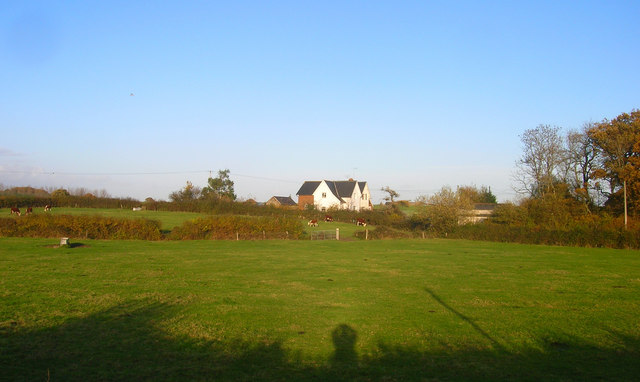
x=124 y=344
x=466 y=319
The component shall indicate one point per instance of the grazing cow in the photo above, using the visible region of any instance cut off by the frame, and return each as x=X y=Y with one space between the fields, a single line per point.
x=47 y=207
x=313 y=223
x=328 y=218
x=15 y=210
x=361 y=222
x=29 y=211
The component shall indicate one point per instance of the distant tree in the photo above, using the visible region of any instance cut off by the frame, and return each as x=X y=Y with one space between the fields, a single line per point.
x=150 y=204
x=539 y=169
x=444 y=210
x=60 y=193
x=37 y=192
x=189 y=192
x=581 y=161
x=391 y=194
x=477 y=195
x=220 y=187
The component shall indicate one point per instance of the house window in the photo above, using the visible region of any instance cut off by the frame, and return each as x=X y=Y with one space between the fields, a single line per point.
x=324 y=194
x=364 y=196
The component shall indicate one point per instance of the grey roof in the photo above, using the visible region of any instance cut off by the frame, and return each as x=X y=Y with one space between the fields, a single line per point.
x=308 y=188
x=340 y=189
x=285 y=200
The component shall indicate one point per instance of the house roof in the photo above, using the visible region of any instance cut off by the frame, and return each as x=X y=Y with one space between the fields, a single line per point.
x=340 y=189
x=308 y=188
x=285 y=200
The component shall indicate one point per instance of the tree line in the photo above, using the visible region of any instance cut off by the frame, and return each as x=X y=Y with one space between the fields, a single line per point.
x=597 y=166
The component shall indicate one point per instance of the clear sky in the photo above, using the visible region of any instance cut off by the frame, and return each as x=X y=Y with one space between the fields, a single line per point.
x=139 y=97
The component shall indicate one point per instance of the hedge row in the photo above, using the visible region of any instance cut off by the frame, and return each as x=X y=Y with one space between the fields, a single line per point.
x=579 y=236
x=230 y=227
x=90 y=227
x=24 y=201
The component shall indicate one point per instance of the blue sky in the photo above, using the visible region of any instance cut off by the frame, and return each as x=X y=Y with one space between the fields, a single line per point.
x=411 y=95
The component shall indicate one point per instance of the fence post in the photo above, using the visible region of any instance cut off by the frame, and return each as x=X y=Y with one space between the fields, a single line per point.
x=264 y=236
x=237 y=236
x=337 y=233
x=366 y=234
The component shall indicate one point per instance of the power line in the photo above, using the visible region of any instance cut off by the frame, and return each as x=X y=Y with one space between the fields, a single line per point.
x=140 y=173
x=102 y=173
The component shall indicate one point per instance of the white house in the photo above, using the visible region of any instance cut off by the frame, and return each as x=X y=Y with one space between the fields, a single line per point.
x=344 y=195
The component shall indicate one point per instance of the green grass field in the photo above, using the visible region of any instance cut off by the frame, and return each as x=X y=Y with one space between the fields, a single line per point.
x=317 y=310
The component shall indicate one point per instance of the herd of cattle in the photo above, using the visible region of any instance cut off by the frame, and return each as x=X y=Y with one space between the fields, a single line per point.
x=29 y=210
x=329 y=219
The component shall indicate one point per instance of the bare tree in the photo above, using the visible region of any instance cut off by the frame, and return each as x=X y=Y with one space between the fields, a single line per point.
x=580 y=163
x=540 y=167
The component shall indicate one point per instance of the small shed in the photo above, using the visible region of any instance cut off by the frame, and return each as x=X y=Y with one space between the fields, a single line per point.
x=281 y=201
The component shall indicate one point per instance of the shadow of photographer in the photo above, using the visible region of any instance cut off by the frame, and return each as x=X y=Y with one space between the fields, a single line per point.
x=344 y=341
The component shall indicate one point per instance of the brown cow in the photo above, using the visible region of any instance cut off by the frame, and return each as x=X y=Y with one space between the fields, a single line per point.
x=29 y=211
x=313 y=223
x=328 y=218
x=47 y=207
x=361 y=222
x=15 y=210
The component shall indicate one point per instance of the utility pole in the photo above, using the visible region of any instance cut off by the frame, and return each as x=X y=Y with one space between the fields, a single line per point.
x=624 y=185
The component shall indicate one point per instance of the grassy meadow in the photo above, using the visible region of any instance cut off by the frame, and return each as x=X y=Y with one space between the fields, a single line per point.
x=317 y=310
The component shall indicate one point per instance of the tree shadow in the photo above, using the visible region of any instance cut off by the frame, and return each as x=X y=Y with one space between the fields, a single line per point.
x=466 y=319
x=124 y=343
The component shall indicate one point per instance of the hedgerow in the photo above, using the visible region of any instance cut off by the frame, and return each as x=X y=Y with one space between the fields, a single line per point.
x=87 y=201
x=231 y=227
x=90 y=227
x=575 y=235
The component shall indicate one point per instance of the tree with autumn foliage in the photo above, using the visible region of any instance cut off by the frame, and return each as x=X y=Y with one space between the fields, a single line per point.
x=188 y=193
x=619 y=143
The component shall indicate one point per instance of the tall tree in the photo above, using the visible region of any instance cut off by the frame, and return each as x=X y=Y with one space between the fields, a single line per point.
x=220 y=186
x=538 y=170
x=619 y=142
x=581 y=163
